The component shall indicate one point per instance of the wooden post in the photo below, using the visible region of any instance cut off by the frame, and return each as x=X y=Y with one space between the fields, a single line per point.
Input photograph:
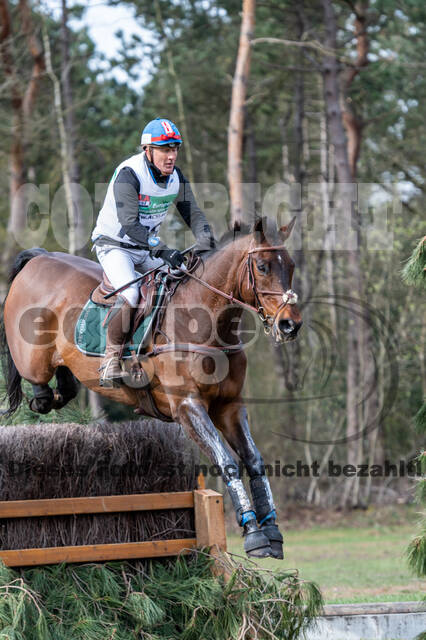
x=210 y=526
x=209 y=519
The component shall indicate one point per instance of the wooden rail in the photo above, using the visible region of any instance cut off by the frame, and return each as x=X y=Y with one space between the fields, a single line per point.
x=209 y=526
x=99 y=504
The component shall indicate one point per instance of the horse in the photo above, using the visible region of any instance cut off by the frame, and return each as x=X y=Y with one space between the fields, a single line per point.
x=196 y=362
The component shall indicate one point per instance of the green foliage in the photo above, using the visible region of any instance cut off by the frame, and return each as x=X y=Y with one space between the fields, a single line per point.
x=416 y=552
x=420 y=419
x=414 y=272
x=178 y=599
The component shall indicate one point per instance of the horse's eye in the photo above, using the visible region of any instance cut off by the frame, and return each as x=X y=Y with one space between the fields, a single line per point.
x=262 y=267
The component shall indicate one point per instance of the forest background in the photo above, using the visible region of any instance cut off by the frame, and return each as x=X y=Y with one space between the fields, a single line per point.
x=332 y=94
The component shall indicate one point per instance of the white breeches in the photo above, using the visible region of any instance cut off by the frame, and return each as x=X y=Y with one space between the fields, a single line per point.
x=122 y=265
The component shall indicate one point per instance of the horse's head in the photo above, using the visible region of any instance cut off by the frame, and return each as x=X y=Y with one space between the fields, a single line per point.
x=266 y=278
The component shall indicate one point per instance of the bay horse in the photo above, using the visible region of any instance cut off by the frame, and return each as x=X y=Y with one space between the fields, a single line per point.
x=197 y=365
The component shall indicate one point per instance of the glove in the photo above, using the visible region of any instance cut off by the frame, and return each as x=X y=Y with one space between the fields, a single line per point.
x=173 y=257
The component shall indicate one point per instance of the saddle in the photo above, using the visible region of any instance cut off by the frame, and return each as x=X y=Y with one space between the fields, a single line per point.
x=148 y=287
x=91 y=327
x=156 y=289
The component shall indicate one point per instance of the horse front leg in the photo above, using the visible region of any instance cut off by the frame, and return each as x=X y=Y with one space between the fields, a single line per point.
x=194 y=418
x=231 y=419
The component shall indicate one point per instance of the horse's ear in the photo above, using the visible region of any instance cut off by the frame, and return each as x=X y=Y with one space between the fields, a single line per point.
x=259 y=227
x=287 y=229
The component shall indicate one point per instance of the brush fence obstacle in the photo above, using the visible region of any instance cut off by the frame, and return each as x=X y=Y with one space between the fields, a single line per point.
x=209 y=526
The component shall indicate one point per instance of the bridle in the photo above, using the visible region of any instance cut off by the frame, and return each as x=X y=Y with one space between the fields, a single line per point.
x=288 y=297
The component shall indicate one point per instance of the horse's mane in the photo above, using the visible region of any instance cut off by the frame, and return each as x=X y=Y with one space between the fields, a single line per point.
x=238 y=231
x=241 y=230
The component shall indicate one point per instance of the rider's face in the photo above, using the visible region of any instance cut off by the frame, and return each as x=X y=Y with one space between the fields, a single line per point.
x=164 y=158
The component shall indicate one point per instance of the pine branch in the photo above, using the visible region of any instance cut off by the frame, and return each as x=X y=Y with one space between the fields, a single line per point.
x=416 y=552
x=414 y=272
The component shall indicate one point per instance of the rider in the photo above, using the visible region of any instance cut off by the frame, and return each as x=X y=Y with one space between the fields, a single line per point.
x=125 y=236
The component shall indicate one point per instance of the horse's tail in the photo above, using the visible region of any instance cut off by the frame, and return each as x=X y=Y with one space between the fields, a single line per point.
x=11 y=374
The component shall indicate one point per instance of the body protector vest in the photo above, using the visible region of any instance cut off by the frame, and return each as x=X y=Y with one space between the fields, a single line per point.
x=153 y=205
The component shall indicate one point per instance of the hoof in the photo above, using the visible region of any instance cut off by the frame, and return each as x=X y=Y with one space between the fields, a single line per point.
x=275 y=538
x=40 y=405
x=58 y=400
x=256 y=544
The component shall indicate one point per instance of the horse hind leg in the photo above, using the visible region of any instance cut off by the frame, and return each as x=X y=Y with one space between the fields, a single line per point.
x=67 y=387
x=45 y=398
x=42 y=402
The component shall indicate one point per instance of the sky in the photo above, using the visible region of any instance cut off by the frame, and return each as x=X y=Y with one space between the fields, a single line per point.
x=103 y=21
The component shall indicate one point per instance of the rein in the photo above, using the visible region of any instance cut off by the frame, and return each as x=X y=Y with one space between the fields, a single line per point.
x=288 y=297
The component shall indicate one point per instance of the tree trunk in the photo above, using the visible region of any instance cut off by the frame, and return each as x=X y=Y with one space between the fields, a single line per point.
x=283 y=123
x=22 y=107
x=16 y=158
x=352 y=122
x=63 y=145
x=369 y=409
x=345 y=206
x=328 y=214
x=236 y=119
x=70 y=130
x=299 y=172
x=332 y=99
x=179 y=97
x=250 y=144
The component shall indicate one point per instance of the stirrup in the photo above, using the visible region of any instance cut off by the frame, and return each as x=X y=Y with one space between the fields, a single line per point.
x=134 y=375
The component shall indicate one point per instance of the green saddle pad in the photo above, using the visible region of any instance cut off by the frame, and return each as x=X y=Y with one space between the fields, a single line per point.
x=90 y=335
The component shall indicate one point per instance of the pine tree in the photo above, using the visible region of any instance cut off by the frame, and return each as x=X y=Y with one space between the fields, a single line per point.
x=414 y=273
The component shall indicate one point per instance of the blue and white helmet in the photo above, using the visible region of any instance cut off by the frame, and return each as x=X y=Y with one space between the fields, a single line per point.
x=160 y=132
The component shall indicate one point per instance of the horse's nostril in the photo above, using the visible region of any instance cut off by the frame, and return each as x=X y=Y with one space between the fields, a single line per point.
x=287 y=325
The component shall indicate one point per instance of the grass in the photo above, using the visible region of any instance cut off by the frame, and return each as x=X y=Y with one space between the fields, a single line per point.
x=350 y=564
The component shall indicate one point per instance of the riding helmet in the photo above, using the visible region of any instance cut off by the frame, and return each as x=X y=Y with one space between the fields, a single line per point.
x=159 y=132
